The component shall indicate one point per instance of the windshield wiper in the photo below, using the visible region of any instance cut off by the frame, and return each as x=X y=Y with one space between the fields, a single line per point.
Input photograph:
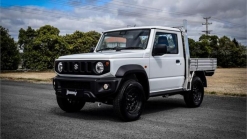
x=119 y=49
x=114 y=48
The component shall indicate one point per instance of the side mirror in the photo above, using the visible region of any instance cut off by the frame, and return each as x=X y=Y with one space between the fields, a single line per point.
x=92 y=49
x=159 y=49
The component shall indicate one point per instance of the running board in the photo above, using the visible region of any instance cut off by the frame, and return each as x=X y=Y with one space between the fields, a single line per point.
x=163 y=93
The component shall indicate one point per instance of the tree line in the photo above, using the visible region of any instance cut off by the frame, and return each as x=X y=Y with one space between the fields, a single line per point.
x=42 y=46
x=229 y=53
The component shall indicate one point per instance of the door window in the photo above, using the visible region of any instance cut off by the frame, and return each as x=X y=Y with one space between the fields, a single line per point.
x=169 y=39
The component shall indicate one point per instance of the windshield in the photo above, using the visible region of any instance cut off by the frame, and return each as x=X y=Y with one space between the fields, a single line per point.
x=124 y=39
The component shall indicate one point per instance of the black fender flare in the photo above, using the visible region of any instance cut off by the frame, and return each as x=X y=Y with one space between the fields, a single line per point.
x=139 y=72
x=129 y=69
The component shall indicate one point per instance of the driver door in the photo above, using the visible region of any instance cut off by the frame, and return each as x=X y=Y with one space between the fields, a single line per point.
x=167 y=69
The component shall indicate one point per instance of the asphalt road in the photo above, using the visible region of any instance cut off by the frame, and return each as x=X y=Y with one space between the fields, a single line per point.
x=30 y=111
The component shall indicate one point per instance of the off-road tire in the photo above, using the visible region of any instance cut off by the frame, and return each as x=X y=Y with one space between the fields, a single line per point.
x=128 y=103
x=194 y=97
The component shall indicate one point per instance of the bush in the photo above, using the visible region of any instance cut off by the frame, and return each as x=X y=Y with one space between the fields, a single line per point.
x=10 y=56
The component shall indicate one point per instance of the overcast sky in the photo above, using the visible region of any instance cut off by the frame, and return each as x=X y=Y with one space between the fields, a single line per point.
x=228 y=17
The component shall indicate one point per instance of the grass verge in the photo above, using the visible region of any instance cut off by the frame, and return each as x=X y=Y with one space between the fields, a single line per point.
x=225 y=94
x=32 y=80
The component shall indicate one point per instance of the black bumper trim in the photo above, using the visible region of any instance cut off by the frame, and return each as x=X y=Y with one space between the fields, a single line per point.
x=88 y=89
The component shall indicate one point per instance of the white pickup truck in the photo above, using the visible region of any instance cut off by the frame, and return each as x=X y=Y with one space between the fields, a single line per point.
x=130 y=65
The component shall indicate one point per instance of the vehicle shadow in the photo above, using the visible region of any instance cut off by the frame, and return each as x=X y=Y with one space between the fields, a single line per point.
x=90 y=112
x=105 y=112
x=162 y=104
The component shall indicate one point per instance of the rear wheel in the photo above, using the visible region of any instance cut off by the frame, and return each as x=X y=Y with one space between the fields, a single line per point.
x=70 y=105
x=194 y=97
x=128 y=104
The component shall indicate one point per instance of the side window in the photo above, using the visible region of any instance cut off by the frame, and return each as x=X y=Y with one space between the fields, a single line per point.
x=169 y=39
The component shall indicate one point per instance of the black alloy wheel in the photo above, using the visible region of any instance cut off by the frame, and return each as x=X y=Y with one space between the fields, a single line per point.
x=197 y=92
x=128 y=103
x=194 y=97
x=133 y=100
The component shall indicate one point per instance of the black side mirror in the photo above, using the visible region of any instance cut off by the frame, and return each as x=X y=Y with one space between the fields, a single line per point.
x=92 y=49
x=159 y=49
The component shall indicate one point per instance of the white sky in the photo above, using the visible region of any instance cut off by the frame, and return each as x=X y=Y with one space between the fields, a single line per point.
x=228 y=17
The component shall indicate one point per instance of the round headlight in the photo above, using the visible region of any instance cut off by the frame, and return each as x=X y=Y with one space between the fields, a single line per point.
x=60 y=67
x=99 y=67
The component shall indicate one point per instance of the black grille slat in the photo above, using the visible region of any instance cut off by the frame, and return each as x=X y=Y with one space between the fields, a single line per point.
x=65 y=66
x=82 y=67
x=89 y=67
x=70 y=66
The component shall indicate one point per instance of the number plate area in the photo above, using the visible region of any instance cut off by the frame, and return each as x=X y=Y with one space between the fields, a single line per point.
x=68 y=92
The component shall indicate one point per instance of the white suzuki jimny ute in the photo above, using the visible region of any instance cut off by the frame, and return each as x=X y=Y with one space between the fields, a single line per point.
x=128 y=66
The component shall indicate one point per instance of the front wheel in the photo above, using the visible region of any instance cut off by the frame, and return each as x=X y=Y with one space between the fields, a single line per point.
x=194 y=97
x=70 y=105
x=128 y=104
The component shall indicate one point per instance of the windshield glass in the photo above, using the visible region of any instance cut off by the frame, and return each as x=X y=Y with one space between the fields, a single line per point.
x=124 y=39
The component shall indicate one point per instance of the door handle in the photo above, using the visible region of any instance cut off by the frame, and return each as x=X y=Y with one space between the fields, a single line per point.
x=177 y=61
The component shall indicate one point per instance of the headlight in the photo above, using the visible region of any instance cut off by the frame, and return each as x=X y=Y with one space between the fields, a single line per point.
x=99 y=67
x=60 y=67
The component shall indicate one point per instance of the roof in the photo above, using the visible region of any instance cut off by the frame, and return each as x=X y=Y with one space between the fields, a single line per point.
x=145 y=27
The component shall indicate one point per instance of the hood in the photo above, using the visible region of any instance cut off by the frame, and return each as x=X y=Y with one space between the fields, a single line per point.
x=106 y=55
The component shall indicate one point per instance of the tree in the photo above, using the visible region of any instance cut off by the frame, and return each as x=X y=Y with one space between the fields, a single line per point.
x=235 y=42
x=75 y=42
x=10 y=56
x=46 y=45
x=80 y=42
x=227 y=48
x=209 y=45
x=26 y=37
x=228 y=53
x=239 y=54
x=193 y=48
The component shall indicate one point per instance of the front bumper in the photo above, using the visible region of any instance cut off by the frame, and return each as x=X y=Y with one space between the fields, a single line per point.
x=87 y=89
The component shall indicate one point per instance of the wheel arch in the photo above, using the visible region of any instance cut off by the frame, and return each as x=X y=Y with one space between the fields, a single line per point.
x=201 y=75
x=136 y=72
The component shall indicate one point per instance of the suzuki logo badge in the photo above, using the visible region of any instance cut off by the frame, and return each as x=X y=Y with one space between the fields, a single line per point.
x=76 y=66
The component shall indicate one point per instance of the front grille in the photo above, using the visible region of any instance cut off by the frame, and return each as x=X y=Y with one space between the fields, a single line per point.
x=81 y=67
x=77 y=67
